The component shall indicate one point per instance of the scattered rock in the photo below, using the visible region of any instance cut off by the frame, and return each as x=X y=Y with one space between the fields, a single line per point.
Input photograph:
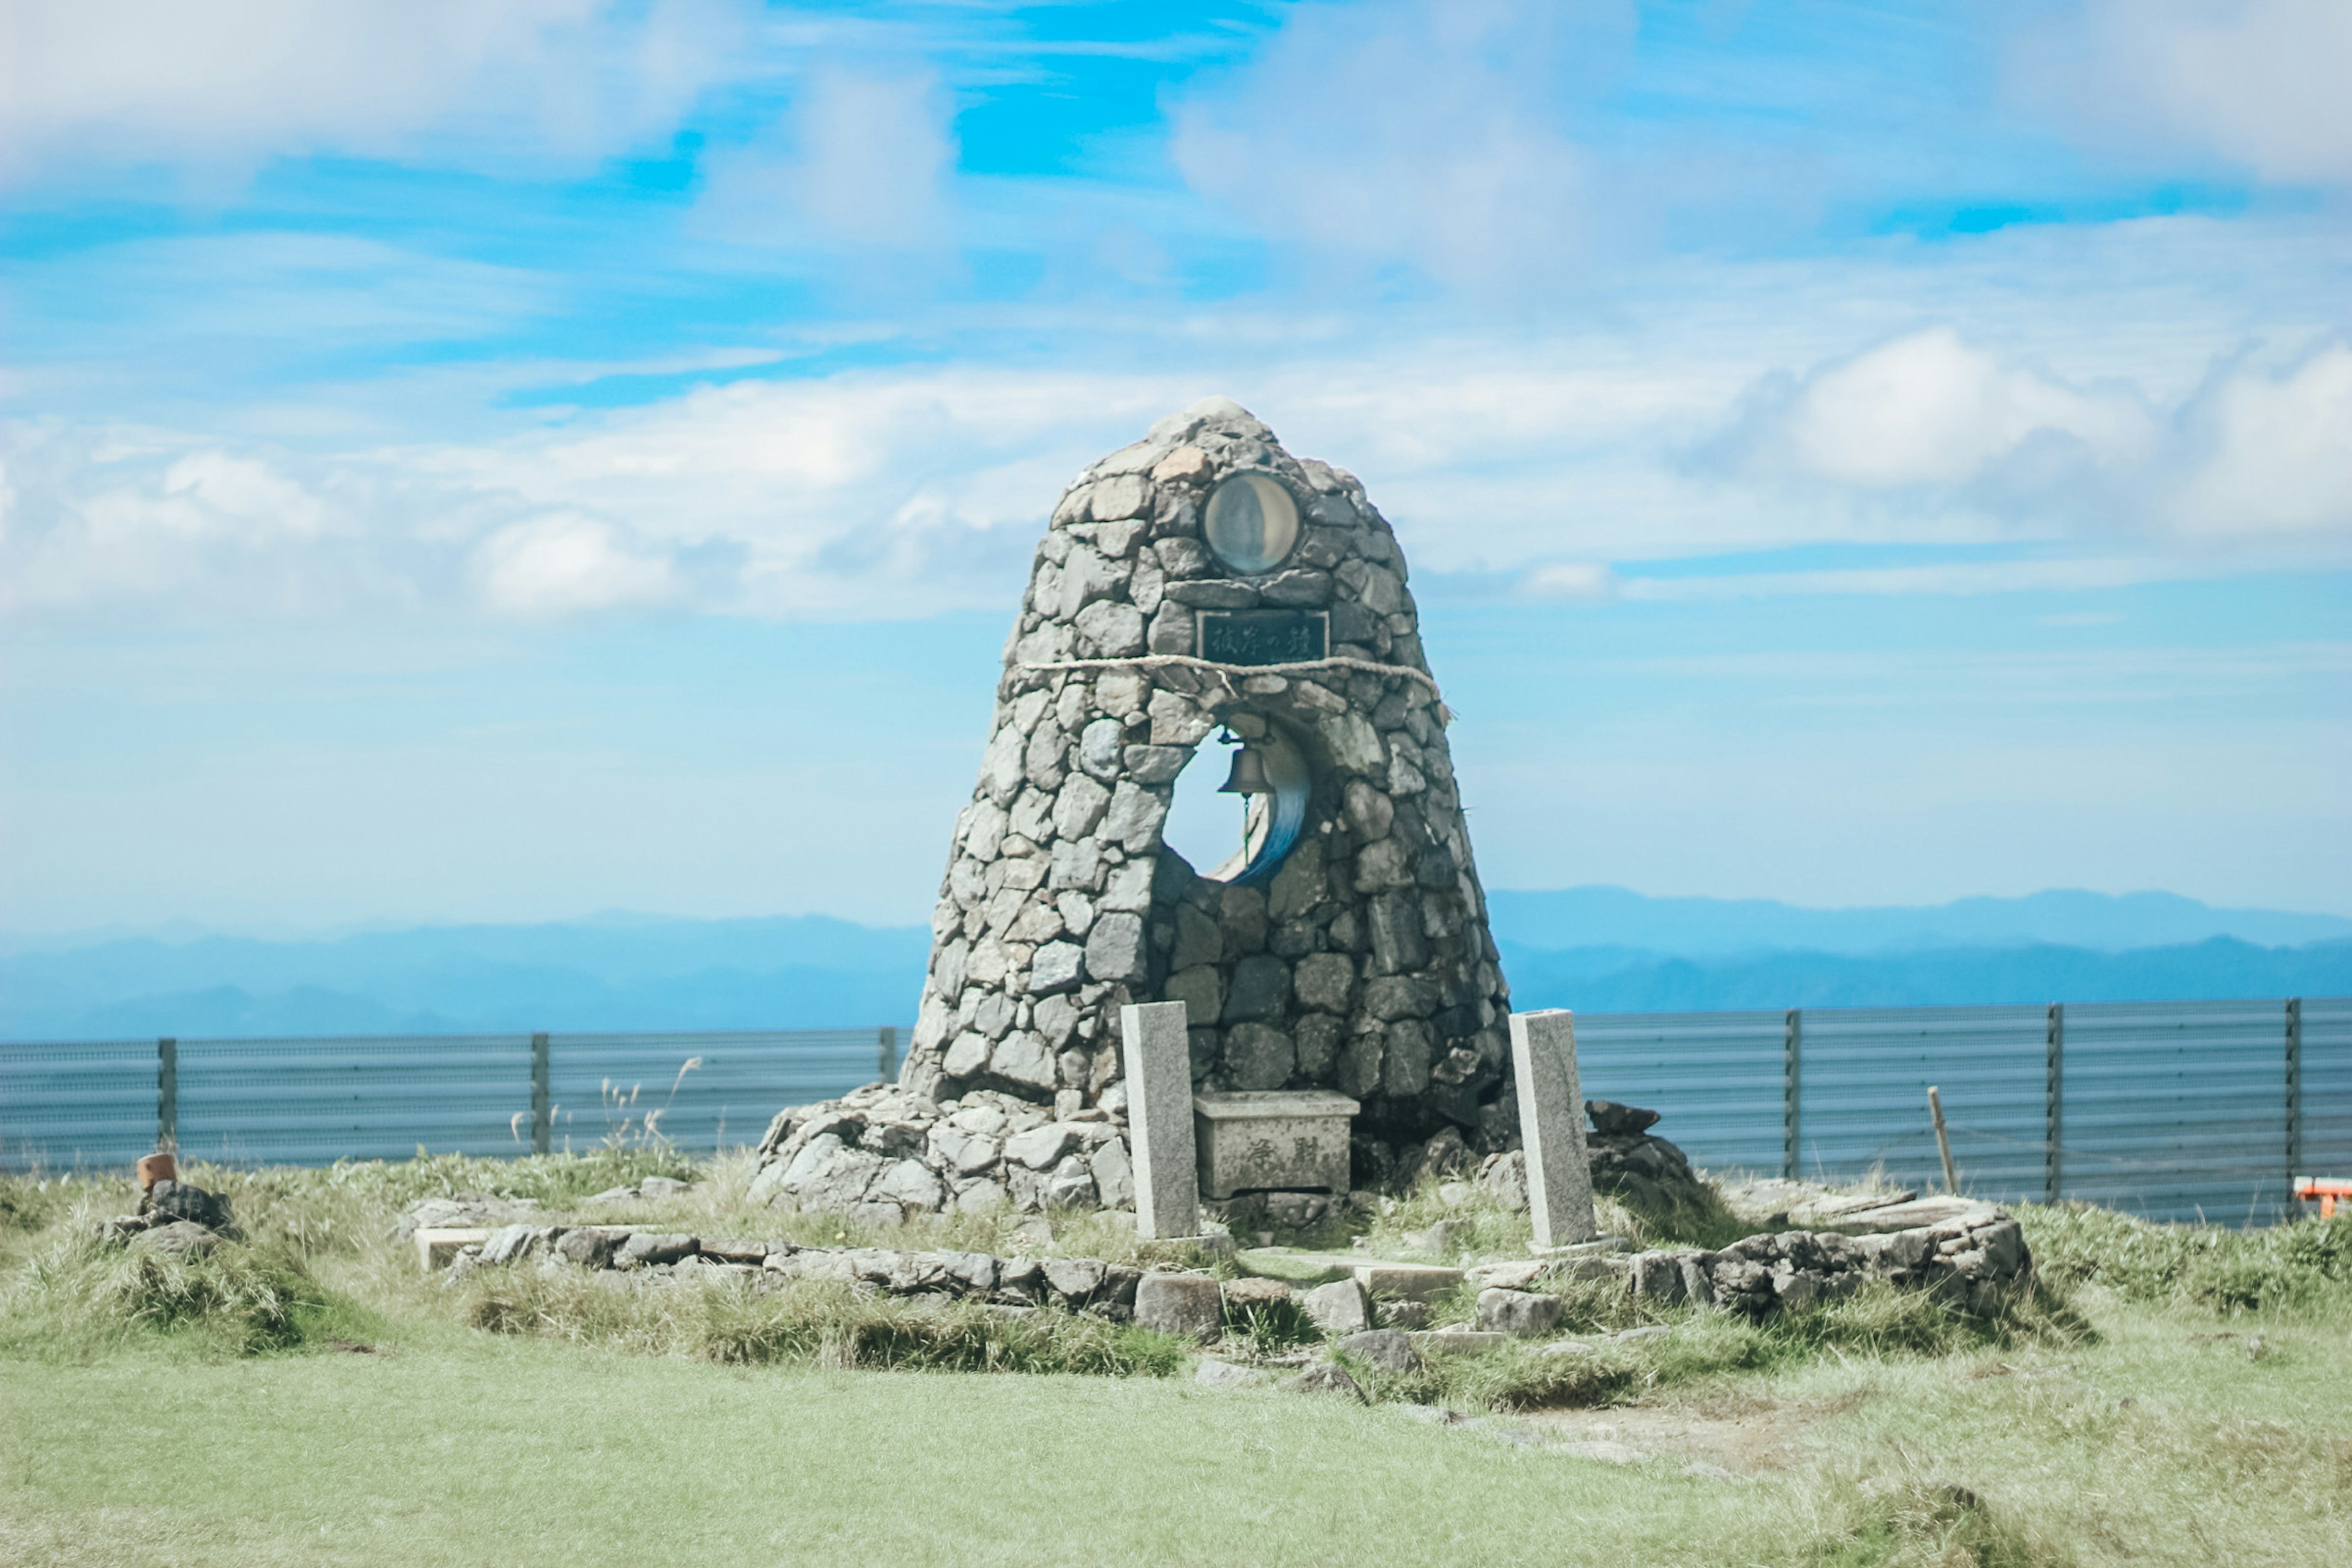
x=179 y=1201
x=658 y=1187
x=1457 y=1342
x=1387 y=1349
x=1445 y=1235
x=1338 y=1308
x=1565 y=1347
x=1642 y=1335
x=1187 y=1304
x=1613 y=1119
x=1212 y=1374
x=1328 y=1377
x=513 y=1243
x=1250 y=1295
x=179 y=1238
x=1523 y=1314
x=1505 y=1178
x=647 y=1247
x=588 y=1247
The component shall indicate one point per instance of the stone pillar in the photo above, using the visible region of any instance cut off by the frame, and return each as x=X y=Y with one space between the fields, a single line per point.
x=1552 y=1124
x=1159 y=1067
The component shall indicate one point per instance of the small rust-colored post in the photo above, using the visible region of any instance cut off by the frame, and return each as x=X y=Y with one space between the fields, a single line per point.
x=1943 y=1143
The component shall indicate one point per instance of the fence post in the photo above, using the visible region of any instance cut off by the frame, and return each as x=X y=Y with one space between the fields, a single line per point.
x=543 y=1102
x=890 y=1052
x=2053 y=1104
x=2293 y=1095
x=1792 y=1053
x=167 y=1095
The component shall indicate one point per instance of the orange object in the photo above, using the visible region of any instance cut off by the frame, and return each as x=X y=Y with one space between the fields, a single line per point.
x=2326 y=1192
x=154 y=1168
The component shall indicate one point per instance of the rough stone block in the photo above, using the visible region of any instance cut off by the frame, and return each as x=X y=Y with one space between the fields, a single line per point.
x=1456 y=1341
x=1407 y=1282
x=1189 y=1304
x=1524 y=1314
x=1057 y=967
x=1387 y=1349
x=1337 y=1308
x=1328 y=1378
x=1258 y=1057
x=1115 y=949
x=1273 y=1141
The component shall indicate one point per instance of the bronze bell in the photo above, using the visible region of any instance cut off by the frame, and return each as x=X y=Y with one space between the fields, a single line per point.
x=1248 y=776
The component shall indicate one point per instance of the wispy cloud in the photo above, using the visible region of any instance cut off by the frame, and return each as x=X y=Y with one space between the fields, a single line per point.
x=2266 y=84
x=214 y=88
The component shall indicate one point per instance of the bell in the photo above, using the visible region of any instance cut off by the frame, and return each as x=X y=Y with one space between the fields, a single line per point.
x=1248 y=776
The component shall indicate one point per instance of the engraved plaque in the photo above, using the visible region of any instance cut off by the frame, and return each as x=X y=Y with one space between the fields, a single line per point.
x=1264 y=636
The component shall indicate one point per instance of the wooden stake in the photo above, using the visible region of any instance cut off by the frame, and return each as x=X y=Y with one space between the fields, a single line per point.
x=1943 y=1145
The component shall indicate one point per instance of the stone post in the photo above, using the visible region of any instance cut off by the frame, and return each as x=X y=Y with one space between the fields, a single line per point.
x=1552 y=1126
x=1159 y=1119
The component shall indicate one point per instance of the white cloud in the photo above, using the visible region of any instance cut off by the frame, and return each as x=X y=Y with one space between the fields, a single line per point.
x=1580 y=581
x=2270 y=453
x=1429 y=132
x=2266 y=83
x=217 y=85
x=565 y=563
x=1932 y=426
x=898 y=491
x=861 y=159
x=1929 y=409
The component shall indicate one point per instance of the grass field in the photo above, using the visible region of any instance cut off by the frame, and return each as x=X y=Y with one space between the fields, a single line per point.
x=316 y=1403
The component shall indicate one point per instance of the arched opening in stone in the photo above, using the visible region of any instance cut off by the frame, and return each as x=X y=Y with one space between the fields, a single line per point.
x=1240 y=839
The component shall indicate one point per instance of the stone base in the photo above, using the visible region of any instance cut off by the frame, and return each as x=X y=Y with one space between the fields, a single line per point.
x=1274 y=1140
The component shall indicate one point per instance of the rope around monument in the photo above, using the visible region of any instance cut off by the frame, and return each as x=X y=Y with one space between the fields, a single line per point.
x=1297 y=667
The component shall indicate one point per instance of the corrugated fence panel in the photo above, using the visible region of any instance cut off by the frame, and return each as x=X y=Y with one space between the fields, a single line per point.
x=604 y=1086
x=314 y=1101
x=73 y=1104
x=2177 y=1111
x=2327 y=1087
x=1714 y=1078
x=1865 y=1075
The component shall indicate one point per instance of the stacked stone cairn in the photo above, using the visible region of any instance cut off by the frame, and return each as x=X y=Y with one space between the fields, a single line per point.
x=1357 y=959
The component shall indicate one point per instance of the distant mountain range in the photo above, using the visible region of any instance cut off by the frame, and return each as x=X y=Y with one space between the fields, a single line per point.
x=1594 y=949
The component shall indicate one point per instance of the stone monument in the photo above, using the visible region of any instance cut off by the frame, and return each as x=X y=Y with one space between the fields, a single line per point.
x=1205 y=583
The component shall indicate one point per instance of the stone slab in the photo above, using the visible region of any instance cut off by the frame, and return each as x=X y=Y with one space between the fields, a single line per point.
x=438 y=1246
x=1406 y=1281
x=1593 y=1248
x=1297 y=1267
x=1157 y=1048
x=1456 y=1341
x=1551 y=1125
x=1272 y=1140
x=1837 y=1208
x=1918 y=1213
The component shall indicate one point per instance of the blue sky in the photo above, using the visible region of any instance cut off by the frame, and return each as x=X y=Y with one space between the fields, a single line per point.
x=504 y=461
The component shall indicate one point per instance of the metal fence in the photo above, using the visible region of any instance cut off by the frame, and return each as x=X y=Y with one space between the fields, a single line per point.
x=96 y=1103
x=2175 y=1110
x=2172 y=1111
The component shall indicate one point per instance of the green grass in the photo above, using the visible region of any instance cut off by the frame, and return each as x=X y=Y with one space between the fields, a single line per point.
x=2185 y=1396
